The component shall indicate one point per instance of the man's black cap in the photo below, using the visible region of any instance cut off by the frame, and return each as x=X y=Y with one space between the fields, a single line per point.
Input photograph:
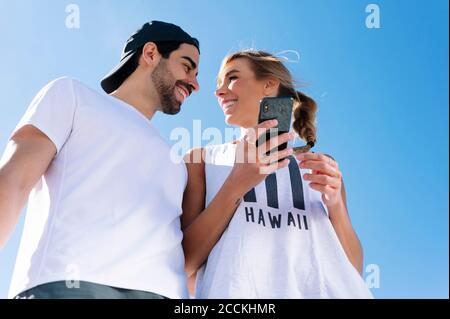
x=155 y=31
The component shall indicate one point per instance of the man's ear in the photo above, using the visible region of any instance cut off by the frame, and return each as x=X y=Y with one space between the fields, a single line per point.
x=150 y=55
x=271 y=86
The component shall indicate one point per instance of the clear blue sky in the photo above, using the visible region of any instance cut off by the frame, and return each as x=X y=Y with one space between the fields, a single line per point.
x=382 y=93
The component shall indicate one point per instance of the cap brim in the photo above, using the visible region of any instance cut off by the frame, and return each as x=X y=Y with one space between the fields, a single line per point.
x=118 y=75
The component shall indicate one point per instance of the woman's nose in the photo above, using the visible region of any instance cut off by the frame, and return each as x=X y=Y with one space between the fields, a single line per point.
x=220 y=91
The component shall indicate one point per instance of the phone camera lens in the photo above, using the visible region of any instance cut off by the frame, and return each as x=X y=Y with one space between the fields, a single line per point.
x=266 y=108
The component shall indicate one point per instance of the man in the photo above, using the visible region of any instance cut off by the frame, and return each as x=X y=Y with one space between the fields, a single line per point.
x=103 y=213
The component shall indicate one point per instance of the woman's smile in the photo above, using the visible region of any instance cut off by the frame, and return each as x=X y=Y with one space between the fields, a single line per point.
x=228 y=105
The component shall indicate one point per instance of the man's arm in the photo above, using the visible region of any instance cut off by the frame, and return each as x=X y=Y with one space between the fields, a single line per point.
x=26 y=158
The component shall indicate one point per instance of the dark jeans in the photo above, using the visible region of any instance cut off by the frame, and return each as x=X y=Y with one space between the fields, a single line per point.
x=86 y=290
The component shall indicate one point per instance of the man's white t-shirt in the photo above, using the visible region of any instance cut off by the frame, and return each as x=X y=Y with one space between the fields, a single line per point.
x=108 y=208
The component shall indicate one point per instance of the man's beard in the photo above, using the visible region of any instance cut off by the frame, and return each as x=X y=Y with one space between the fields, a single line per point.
x=165 y=84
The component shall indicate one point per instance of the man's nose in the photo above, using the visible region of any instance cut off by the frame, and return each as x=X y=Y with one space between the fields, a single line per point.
x=194 y=84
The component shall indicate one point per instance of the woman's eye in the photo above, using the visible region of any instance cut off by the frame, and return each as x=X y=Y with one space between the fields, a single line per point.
x=232 y=78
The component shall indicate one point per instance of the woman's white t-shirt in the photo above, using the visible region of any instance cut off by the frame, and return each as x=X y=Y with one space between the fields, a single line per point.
x=280 y=242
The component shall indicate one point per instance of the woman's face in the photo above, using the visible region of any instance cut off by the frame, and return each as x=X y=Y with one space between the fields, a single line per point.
x=239 y=93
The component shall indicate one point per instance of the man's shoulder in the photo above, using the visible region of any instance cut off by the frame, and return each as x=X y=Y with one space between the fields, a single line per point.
x=62 y=81
x=70 y=83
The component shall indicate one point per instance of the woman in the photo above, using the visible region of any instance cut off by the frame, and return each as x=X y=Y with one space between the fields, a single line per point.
x=276 y=227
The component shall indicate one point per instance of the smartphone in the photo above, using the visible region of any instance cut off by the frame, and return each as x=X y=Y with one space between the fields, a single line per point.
x=276 y=108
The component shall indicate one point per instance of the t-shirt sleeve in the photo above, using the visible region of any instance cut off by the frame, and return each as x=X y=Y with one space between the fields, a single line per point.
x=52 y=111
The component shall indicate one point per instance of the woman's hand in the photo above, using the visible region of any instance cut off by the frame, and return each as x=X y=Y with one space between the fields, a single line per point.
x=252 y=165
x=325 y=177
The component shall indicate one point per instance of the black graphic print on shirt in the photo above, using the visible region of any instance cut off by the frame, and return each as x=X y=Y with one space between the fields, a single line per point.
x=274 y=218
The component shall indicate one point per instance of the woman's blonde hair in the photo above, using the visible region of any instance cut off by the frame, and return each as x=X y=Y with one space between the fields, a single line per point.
x=266 y=65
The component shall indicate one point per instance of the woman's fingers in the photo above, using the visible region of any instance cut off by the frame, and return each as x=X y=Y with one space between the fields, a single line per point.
x=317 y=157
x=253 y=134
x=274 y=142
x=267 y=124
x=322 y=167
x=269 y=169
x=275 y=157
x=326 y=190
x=322 y=180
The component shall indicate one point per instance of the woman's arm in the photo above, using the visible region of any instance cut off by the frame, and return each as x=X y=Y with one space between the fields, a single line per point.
x=327 y=179
x=195 y=191
x=194 y=196
x=203 y=227
x=347 y=236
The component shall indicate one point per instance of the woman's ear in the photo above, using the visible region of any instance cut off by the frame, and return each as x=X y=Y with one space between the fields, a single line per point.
x=271 y=86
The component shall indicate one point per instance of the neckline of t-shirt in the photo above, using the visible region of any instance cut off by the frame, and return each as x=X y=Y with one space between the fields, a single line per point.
x=132 y=108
